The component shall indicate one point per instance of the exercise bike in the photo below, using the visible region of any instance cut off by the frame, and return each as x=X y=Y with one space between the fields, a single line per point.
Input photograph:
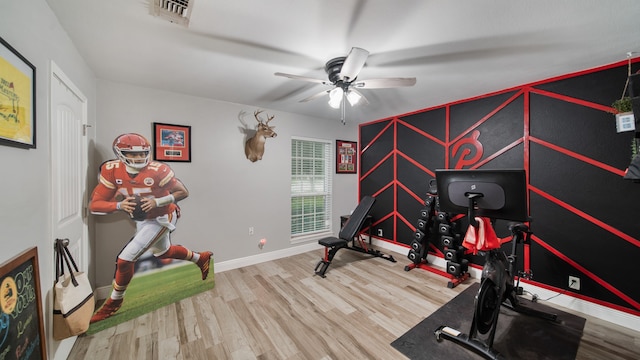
x=497 y=287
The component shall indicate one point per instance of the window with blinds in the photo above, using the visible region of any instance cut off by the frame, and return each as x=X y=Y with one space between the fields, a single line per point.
x=310 y=186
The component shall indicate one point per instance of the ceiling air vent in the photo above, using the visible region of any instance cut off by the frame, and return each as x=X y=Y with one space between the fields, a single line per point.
x=176 y=11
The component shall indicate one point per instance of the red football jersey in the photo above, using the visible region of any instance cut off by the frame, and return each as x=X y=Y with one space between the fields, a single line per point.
x=155 y=180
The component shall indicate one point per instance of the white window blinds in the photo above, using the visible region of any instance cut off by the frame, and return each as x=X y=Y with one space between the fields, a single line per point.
x=310 y=186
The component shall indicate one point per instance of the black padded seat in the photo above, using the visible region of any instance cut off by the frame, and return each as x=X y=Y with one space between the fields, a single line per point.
x=332 y=241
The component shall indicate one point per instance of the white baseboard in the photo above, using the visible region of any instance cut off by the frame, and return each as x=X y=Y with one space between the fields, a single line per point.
x=102 y=292
x=586 y=307
x=62 y=348
x=267 y=256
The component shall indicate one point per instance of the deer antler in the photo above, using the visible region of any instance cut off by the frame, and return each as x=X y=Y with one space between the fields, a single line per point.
x=255 y=115
x=269 y=118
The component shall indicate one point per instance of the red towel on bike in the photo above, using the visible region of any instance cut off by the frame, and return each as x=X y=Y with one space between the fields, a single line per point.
x=482 y=238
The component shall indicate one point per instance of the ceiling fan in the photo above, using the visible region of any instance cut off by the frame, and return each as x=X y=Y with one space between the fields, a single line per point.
x=342 y=76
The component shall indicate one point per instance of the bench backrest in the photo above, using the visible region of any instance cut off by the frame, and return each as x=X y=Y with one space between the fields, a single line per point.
x=355 y=221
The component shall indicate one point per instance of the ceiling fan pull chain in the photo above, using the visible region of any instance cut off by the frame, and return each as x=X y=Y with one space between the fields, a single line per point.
x=343 y=108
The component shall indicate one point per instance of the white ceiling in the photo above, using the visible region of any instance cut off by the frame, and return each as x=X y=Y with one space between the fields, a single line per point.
x=455 y=49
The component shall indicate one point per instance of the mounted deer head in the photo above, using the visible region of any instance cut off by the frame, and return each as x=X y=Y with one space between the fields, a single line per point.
x=254 y=147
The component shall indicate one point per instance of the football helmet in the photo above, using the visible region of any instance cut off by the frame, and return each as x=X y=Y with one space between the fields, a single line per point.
x=125 y=144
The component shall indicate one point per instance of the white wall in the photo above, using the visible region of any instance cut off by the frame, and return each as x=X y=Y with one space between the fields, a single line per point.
x=228 y=193
x=33 y=30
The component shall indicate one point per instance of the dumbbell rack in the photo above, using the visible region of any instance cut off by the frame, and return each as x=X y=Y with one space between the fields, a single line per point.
x=432 y=220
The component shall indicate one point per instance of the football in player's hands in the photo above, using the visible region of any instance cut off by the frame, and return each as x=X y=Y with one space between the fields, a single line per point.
x=138 y=214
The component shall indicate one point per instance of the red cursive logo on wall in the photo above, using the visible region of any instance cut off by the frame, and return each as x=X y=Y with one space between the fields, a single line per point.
x=468 y=150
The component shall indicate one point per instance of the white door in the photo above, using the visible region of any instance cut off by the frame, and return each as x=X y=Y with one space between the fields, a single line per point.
x=69 y=165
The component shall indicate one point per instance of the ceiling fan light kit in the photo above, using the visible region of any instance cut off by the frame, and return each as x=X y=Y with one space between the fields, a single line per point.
x=353 y=97
x=342 y=73
x=335 y=97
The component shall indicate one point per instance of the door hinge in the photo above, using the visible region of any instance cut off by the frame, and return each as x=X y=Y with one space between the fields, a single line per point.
x=84 y=129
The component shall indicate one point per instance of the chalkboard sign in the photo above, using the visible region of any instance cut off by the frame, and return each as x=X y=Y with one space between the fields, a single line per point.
x=21 y=326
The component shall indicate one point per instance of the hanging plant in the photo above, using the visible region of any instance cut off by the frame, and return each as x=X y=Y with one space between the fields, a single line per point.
x=622 y=105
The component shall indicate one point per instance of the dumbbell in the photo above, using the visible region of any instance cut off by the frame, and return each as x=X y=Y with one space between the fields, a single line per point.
x=422 y=224
x=457 y=269
x=414 y=256
x=447 y=241
x=443 y=217
x=452 y=254
x=444 y=229
x=425 y=213
x=416 y=246
x=429 y=202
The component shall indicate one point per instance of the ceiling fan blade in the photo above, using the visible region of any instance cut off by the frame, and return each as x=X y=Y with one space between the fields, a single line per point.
x=384 y=83
x=353 y=64
x=303 y=78
x=315 y=96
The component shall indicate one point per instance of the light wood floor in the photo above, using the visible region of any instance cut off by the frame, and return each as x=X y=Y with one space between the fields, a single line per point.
x=280 y=310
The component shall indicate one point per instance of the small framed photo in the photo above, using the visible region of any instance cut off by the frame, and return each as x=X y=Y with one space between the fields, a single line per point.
x=17 y=98
x=346 y=157
x=172 y=142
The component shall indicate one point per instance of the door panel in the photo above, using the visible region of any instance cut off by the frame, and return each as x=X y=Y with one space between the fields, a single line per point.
x=69 y=163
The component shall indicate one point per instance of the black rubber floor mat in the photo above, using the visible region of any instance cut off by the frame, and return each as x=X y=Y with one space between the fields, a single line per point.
x=518 y=336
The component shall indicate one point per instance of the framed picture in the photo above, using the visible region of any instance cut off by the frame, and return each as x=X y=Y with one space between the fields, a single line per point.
x=17 y=98
x=172 y=142
x=21 y=322
x=346 y=157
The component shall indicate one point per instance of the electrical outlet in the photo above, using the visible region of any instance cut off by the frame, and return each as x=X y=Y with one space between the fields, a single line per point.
x=380 y=233
x=574 y=283
x=250 y=230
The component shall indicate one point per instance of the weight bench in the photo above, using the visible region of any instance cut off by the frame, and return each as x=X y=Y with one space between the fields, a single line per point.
x=348 y=235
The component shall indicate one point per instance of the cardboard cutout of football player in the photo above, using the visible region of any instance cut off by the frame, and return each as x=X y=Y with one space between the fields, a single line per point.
x=148 y=191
